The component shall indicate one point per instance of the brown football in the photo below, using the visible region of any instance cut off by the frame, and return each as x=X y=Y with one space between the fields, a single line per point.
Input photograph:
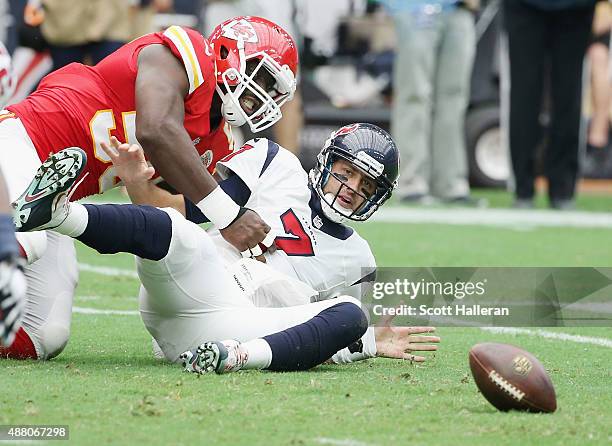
x=512 y=378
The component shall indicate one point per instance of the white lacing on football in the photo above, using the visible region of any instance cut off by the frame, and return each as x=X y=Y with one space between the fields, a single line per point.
x=506 y=386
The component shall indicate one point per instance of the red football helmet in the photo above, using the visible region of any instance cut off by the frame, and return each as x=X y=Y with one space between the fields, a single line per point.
x=262 y=45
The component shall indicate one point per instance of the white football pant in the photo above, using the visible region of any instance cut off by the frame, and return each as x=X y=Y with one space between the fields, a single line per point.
x=189 y=297
x=53 y=278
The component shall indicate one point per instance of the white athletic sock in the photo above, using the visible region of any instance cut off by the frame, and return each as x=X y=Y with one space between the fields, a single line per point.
x=368 y=350
x=76 y=222
x=259 y=354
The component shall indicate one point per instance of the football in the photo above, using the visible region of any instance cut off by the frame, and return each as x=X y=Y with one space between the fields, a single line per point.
x=511 y=378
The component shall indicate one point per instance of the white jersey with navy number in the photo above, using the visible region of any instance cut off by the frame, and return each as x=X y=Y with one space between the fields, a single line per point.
x=330 y=257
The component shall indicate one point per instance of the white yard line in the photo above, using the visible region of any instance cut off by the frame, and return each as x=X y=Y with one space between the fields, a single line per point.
x=23 y=441
x=341 y=442
x=555 y=335
x=511 y=218
x=98 y=311
x=107 y=270
x=603 y=342
x=92 y=298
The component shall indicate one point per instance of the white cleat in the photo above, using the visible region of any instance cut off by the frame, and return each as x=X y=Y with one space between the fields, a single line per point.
x=219 y=357
x=44 y=204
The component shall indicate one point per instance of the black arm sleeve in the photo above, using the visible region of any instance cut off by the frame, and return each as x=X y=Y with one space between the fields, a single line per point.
x=233 y=186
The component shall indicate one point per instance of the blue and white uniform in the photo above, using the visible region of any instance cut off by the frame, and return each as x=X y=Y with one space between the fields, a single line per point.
x=331 y=258
x=203 y=289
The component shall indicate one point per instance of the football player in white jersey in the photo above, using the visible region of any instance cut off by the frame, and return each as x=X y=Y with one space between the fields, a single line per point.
x=305 y=212
x=210 y=302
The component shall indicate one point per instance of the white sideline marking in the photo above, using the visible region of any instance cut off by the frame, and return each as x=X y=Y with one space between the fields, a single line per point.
x=603 y=342
x=558 y=336
x=344 y=442
x=107 y=271
x=22 y=441
x=512 y=218
x=92 y=298
x=85 y=310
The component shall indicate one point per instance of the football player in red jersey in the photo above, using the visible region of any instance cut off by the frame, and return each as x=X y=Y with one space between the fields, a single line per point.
x=169 y=91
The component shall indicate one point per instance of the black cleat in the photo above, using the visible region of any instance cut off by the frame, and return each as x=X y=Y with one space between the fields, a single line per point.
x=44 y=204
x=219 y=357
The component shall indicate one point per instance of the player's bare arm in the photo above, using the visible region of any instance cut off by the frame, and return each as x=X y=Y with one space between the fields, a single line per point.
x=161 y=86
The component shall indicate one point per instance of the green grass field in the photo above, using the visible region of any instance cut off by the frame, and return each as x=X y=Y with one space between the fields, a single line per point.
x=110 y=390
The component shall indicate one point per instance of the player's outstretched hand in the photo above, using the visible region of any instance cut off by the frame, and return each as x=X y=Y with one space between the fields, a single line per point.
x=129 y=161
x=247 y=233
x=400 y=342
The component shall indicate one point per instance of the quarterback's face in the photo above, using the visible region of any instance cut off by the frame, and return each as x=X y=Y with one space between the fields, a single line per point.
x=357 y=185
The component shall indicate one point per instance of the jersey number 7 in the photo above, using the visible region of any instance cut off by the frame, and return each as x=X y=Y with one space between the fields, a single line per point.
x=298 y=245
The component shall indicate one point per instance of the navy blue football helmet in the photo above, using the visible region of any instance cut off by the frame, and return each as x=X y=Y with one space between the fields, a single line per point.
x=371 y=150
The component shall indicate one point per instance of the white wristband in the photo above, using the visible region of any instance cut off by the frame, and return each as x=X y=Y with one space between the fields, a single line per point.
x=220 y=209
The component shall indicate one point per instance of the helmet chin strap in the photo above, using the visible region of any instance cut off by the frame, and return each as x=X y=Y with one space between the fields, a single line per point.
x=336 y=213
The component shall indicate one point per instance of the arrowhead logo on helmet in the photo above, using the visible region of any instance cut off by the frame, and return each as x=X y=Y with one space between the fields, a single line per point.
x=240 y=29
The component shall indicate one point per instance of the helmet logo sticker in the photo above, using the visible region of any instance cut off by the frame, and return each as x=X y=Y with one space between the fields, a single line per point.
x=240 y=30
x=346 y=129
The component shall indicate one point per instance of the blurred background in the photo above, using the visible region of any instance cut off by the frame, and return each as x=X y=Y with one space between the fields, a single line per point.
x=435 y=73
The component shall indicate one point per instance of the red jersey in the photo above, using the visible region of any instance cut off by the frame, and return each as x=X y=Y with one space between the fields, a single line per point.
x=82 y=106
